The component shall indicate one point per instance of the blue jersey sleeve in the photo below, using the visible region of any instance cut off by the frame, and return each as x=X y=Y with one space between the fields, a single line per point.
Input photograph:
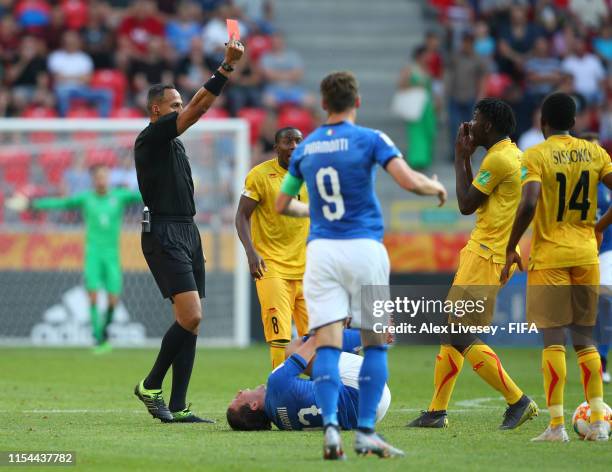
x=384 y=149
x=294 y=162
x=288 y=370
x=351 y=340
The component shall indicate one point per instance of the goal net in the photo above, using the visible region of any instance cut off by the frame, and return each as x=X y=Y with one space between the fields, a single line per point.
x=43 y=301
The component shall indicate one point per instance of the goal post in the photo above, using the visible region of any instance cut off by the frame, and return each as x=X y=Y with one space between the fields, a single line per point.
x=42 y=298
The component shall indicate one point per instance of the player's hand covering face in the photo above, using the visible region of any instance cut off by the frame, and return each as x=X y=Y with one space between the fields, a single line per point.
x=464 y=143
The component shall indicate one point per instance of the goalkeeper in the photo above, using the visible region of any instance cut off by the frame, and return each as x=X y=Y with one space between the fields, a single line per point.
x=102 y=209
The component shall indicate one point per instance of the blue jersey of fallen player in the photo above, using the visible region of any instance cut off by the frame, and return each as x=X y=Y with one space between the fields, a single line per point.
x=338 y=164
x=604 y=200
x=290 y=400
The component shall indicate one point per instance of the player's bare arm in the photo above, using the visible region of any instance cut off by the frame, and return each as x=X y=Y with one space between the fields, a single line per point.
x=203 y=99
x=606 y=218
x=287 y=205
x=469 y=197
x=416 y=182
x=246 y=207
x=524 y=215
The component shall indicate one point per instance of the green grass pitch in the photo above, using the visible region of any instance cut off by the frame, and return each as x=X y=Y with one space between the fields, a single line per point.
x=69 y=399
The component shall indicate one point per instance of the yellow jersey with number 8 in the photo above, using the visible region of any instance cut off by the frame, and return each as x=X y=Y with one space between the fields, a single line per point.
x=569 y=170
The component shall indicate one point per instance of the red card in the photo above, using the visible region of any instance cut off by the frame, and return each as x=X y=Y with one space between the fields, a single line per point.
x=233 y=29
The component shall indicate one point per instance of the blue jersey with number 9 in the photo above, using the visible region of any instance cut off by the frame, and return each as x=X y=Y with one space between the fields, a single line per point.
x=338 y=164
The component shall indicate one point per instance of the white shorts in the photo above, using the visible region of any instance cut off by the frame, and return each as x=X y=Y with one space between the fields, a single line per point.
x=605 y=268
x=336 y=269
x=350 y=365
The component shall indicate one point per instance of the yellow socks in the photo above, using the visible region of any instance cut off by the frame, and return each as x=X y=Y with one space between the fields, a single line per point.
x=488 y=366
x=277 y=353
x=589 y=363
x=554 y=371
x=449 y=362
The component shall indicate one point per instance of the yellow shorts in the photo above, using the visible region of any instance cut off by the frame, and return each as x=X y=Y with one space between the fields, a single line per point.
x=281 y=300
x=562 y=297
x=476 y=281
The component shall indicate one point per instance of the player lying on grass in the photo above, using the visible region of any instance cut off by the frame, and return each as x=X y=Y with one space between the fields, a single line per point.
x=493 y=195
x=288 y=401
x=102 y=209
x=275 y=246
x=559 y=178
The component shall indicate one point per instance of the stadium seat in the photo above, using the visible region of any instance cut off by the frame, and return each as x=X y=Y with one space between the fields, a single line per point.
x=496 y=85
x=54 y=163
x=258 y=45
x=15 y=166
x=101 y=156
x=215 y=113
x=126 y=112
x=40 y=112
x=82 y=112
x=255 y=117
x=113 y=80
x=299 y=118
x=75 y=13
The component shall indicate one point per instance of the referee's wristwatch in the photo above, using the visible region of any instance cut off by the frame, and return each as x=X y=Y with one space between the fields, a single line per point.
x=227 y=67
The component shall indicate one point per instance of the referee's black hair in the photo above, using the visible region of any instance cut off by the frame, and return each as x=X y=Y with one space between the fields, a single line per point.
x=559 y=111
x=279 y=134
x=498 y=113
x=156 y=92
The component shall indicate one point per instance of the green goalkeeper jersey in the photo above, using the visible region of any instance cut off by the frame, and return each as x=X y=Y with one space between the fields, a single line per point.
x=102 y=214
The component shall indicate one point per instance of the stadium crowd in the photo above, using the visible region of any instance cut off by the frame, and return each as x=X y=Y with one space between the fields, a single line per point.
x=97 y=58
x=517 y=50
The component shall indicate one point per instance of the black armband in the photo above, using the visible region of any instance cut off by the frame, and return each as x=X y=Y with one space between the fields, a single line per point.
x=216 y=83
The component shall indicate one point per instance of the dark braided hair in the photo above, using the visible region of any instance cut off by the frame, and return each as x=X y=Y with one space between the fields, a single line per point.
x=498 y=113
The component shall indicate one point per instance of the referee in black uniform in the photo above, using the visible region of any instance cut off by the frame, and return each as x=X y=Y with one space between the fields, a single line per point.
x=171 y=242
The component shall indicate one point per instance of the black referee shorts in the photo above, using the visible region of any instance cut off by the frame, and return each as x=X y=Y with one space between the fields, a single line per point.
x=173 y=251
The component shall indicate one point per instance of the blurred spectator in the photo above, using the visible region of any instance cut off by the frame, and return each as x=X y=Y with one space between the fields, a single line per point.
x=533 y=135
x=76 y=178
x=32 y=15
x=516 y=39
x=124 y=175
x=264 y=147
x=459 y=17
x=153 y=68
x=466 y=74
x=75 y=13
x=55 y=31
x=587 y=70
x=9 y=38
x=28 y=73
x=421 y=132
x=548 y=16
x=245 y=87
x=484 y=43
x=214 y=34
x=592 y=13
x=543 y=71
x=72 y=69
x=602 y=43
x=98 y=36
x=193 y=71
x=283 y=69
x=605 y=125
x=184 y=28
x=435 y=63
x=139 y=27
x=257 y=13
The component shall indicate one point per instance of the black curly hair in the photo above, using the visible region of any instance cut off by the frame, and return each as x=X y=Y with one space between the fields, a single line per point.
x=498 y=113
x=559 y=111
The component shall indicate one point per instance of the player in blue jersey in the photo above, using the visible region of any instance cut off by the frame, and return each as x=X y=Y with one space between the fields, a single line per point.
x=289 y=401
x=338 y=163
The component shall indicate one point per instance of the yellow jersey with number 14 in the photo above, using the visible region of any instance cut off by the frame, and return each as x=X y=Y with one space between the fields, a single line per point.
x=280 y=240
x=569 y=170
x=499 y=177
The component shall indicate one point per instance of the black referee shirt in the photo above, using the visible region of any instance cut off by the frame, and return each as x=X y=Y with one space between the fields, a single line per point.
x=162 y=167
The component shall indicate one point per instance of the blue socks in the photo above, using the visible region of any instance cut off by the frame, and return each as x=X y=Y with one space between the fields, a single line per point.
x=326 y=377
x=372 y=378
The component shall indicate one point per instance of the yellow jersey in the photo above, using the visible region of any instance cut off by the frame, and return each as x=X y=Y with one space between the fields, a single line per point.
x=569 y=170
x=280 y=240
x=499 y=177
